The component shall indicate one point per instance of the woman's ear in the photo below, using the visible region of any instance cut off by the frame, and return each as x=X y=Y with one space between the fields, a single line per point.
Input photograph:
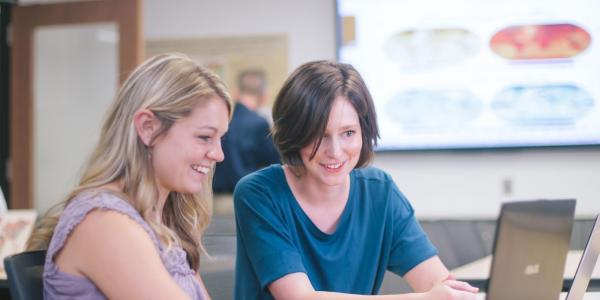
x=146 y=124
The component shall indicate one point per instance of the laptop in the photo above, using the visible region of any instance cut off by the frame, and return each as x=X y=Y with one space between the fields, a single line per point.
x=586 y=264
x=530 y=250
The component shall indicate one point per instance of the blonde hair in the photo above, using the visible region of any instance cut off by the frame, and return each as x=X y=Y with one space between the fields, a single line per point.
x=169 y=85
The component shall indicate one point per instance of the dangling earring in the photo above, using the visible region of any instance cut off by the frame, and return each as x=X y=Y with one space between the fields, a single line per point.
x=149 y=149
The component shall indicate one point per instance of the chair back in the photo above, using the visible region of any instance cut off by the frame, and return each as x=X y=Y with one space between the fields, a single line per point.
x=24 y=271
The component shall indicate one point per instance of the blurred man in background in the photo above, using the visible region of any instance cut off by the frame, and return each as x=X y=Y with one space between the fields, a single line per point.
x=247 y=145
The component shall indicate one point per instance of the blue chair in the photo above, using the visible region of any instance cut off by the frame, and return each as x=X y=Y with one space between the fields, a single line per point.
x=24 y=271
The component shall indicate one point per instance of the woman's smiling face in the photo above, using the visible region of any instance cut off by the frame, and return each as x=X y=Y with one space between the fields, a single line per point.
x=183 y=157
x=340 y=147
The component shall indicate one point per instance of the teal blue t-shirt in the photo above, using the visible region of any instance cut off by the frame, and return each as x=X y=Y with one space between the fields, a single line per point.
x=377 y=231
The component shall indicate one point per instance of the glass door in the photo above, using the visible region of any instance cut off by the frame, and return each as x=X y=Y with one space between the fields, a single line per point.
x=67 y=62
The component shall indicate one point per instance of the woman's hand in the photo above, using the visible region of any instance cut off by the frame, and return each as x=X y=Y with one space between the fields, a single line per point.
x=452 y=290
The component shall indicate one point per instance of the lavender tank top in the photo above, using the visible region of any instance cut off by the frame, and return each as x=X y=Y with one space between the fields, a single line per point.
x=61 y=285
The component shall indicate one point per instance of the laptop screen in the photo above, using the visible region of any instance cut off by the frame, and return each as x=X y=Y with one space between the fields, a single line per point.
x=530 y=249
x=586 y=264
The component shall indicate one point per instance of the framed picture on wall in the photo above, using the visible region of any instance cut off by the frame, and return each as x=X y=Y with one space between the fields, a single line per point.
x=229 y=55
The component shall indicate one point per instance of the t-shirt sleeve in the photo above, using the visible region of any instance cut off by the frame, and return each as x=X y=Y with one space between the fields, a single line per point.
x=410 y=245
x=265 y=238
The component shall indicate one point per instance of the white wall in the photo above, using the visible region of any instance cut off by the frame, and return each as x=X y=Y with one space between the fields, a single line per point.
x=439 y=184
x=309 y=24
x=471 y=183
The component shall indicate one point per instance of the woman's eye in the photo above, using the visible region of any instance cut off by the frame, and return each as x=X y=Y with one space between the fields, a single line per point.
x=349 y=133
x=204 y=137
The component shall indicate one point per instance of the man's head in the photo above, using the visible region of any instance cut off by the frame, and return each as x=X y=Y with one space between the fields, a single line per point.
x=252 y=86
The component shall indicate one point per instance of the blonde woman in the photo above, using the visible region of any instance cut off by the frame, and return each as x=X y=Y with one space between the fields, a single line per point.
x=132 y=228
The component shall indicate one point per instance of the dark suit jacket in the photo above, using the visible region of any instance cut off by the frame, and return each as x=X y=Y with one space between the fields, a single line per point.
x=247 y=147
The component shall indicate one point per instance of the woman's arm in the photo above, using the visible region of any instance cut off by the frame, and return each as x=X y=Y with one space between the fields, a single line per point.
x=205 y=294
x=297 y=286
x=118 y=256
x=427 y=274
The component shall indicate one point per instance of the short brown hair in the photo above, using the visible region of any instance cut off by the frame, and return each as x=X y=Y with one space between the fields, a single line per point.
x=302 y=108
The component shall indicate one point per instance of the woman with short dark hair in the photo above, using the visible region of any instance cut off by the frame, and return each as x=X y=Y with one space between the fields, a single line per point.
x=324 y=225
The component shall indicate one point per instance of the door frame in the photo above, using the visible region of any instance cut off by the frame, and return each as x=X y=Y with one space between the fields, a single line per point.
x=5 y=9
x=25 y=19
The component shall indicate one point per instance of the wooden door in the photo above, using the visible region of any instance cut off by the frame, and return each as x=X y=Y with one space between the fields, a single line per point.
x=55 y=24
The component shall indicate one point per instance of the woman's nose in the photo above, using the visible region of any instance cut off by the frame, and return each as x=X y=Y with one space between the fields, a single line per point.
x=333 y=147
x=216 y=153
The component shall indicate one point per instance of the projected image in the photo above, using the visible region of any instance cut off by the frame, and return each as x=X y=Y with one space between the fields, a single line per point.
x=422 y=48
x=467 y=74
x=542 y=105
x=433 y=109
x=540 y=41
